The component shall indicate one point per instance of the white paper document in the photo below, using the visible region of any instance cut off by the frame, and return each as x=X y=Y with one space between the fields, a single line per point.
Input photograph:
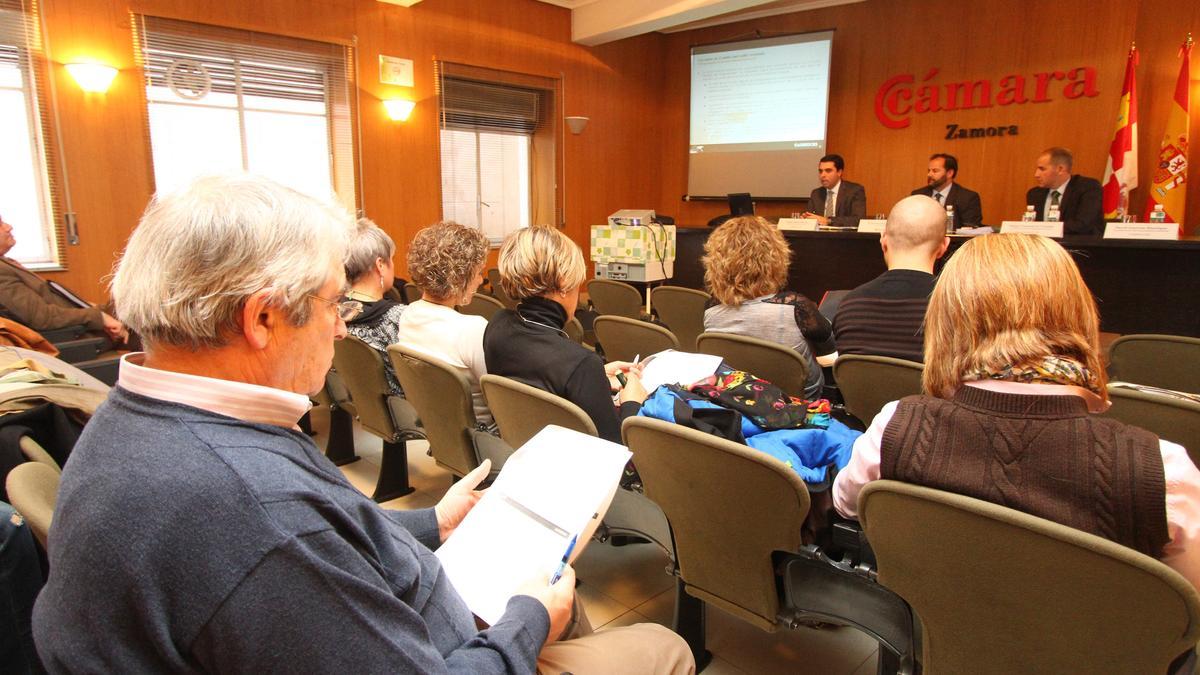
x=681 y=368
x=557 y=485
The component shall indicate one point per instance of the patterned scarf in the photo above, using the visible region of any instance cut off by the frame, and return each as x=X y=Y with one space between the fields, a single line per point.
x=1050 y=370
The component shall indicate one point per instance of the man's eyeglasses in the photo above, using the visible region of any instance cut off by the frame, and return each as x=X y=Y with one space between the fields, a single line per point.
x=346 y=309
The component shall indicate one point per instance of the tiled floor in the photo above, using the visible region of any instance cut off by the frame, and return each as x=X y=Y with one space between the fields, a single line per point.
x=630 y=584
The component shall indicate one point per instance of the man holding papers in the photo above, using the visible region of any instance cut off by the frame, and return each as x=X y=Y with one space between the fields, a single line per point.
x=198 y=530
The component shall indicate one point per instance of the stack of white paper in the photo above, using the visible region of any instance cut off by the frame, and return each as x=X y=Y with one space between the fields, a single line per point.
x=557 y=485
x=681 y=368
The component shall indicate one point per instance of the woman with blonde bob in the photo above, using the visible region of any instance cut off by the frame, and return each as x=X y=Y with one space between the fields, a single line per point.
x=746 y=270
x=543 y=269
x=446 y=260
x=1012 y=379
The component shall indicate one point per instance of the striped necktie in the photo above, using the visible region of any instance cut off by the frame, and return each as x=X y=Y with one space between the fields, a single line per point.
x=830 y=200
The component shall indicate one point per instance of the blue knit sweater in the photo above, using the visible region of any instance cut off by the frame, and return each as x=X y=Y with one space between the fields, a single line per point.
x=186 y=541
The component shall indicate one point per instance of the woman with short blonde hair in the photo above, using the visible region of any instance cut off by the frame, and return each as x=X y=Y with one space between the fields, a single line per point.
x=1012 y=380
x=746 y=270
x=446 y=260
x=543 y=269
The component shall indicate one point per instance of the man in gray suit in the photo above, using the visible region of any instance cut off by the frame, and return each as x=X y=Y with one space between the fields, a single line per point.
x=837 y=202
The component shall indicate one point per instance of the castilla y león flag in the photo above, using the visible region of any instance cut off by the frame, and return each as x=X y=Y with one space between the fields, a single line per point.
x=1121 y=174
x=1170 y=170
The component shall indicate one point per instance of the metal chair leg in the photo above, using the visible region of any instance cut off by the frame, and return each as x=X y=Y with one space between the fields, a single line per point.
x=340 y=448
x=393 y=473
x=690 y=624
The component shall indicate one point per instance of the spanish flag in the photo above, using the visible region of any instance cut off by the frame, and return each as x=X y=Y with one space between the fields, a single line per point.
x=1121 y=174
x=1170 y=171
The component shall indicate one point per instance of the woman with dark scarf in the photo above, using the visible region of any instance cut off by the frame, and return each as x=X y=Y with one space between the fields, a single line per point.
x=1012 y=380
x=543 y=269
x=370 y=272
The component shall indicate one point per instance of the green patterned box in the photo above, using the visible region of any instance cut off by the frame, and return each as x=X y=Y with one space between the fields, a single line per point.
x=628 y=244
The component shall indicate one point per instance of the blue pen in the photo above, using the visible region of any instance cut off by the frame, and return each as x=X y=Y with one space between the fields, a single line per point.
x=563 y=565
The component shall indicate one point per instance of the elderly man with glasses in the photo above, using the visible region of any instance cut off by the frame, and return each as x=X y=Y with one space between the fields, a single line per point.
x=198 y=530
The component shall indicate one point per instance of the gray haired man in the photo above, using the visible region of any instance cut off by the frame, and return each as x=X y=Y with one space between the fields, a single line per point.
x=198 y=530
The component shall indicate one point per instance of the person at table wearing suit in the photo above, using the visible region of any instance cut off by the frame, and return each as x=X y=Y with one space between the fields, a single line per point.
x=943 y=187
x=1079 y=198
x=837 y=202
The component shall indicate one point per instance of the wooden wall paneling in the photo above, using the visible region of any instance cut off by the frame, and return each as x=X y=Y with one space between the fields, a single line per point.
x=103 y=148
x=978 y=40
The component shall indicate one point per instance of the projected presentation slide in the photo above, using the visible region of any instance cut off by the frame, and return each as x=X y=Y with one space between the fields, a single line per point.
x=755 y=102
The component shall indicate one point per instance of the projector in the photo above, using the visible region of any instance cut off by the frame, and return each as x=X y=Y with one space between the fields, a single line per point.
x=632 y=217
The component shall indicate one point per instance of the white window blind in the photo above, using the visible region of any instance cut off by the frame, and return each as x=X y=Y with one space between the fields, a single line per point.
x=487 y=132
x=28 y=175
x=221 y=99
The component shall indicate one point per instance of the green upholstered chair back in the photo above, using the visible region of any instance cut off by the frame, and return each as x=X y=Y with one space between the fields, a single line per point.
x=482 y=305
x=615 y=297
x=412 y=293
x=574 y=330
x=441 y=396
x=682 y=310
x=522 y=410
x=730 y=507
x=623 y=338
x=33 y=489
x=1166 y=361
x=493 y=276
x=783 y=367
x=360 y=368
x=868 y=383
x=1175 y=419
x=1000 y=591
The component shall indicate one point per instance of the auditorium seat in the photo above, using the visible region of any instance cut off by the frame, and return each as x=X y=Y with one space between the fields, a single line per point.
x=521 y=411
x=867 y=383
x=33 y=489
x=1173 y=418
x=623 y=339
x=1166 y=361
x=614 y=297
x=389 y=417
x=779 y=365
x=412 y=293
x=497 y=291
x=682 y=310
x=481 y=305
x=1000 y=591
x=736 y=516
x=441 y=396
x=335 y=398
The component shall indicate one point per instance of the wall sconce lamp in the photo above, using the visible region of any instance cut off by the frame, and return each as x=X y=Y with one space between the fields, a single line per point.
x=577 y=124
x=399 y=109
x=94 y=78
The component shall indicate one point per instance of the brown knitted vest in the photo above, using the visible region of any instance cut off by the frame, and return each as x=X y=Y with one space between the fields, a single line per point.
x=1043 y=455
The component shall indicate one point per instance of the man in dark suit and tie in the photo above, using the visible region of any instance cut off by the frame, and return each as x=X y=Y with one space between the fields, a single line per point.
x=1078 y=198
x=837 y=202
x=944 y=188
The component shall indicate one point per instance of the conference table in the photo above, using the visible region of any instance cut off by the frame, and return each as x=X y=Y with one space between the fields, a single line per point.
x=1141 y=286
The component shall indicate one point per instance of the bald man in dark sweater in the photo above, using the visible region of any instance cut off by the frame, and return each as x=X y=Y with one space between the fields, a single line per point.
x=884 y=316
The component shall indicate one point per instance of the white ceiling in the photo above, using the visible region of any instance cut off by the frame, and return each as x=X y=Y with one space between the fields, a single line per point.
x=595 y=22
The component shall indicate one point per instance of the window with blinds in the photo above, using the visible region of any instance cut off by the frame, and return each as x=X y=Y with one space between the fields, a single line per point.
x=28 y=176
x=222 y=99
x=491 y=134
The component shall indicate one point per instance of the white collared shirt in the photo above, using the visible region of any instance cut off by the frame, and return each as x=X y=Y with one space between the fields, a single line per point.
x=239 y=400
x=831 y=198
x=944 y=192
x=1062 y=191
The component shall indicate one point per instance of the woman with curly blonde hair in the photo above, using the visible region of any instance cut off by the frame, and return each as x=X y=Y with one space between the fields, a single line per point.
x=746 y=270
x=446 y=260
x=1012 y=378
